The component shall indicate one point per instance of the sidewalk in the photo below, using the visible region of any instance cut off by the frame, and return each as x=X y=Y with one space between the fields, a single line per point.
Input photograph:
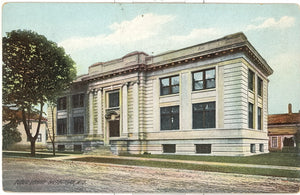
x=70 y=157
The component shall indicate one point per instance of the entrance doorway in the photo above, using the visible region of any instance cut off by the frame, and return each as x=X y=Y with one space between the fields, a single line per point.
x=114 y=128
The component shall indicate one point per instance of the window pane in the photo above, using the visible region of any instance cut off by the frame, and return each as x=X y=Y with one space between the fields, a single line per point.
x=250 y=80
x=165 y=122
x=165 y=91
x=210 y=83
x=165 y=82
x=204 y=115
x=198 y=85
x=209 y=74
x=175 y=80
x=175 y=121
x=250 y=116
x=198 y=76
x=198 y=120
x=114 y=99
x=175 y=89
x=169 y=118
x=81 y=100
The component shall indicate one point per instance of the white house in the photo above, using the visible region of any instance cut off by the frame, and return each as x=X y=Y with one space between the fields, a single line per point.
x=207 y=99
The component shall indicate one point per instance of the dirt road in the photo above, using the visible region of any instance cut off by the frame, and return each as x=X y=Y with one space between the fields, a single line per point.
x=38 y=175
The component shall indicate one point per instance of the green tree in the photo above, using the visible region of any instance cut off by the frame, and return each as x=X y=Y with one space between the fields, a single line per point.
x=10 y=121
x=35 y=70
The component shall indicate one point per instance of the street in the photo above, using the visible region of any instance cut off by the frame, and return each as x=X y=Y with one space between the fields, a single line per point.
x=40 y=175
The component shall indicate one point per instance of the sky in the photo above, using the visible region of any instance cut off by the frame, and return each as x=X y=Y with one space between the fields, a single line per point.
x=99 y=32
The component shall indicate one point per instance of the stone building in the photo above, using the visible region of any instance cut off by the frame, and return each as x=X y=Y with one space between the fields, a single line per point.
x=207 y=99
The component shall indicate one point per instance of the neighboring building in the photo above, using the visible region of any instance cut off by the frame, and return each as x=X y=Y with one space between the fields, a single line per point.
x=207 y=99
x=283 y=129
x=41 y=141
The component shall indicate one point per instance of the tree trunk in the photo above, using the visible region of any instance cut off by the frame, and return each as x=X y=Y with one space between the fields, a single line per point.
x=53 y=145
x=32 y=148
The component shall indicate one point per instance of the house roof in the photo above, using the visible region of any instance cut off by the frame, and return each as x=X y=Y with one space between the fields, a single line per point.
x=284 y=119
x=7 y=113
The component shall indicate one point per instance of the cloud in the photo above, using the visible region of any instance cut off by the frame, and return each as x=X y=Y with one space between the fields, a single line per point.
x=283 y=22
x=196 y=34
x=140 y=28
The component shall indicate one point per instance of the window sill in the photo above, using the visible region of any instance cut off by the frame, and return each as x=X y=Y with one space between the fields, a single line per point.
x=169 y=95
x=203 y=90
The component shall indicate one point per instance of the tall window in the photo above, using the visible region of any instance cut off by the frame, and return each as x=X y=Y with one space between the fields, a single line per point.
x=274 y=142
x=61 y=126
x=39 y=138
x=78 y=125
x=205 y=79
x=78 y=100
x=113 y=99
x=169 y=85
x=251 y=80
x=259 y=118
x=62 y=103
x=169 y=118
x=204 y=115
x=259 y=86
x=250 y=115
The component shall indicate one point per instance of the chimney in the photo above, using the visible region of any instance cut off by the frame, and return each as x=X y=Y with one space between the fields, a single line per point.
x=290 y=109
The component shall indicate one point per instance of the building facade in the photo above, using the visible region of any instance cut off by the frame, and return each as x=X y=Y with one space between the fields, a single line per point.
x=207 y=99
x=284 y=130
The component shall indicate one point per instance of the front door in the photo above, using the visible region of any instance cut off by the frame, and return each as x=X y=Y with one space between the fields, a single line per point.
x=114 y=128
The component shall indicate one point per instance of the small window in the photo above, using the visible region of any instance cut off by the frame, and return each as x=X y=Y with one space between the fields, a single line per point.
x=205 y=79
x=78 y=100
x=259 y=118
x=169 y=148
x=39 y=138
x=274 y=142
x=61 y=148
x=251 y=80
x=252 y=148
x=77 y=148
x=113 y=99
x=250 y=116
x=169 y=118
x=62 y=126
x=204 y=115
x=62 y=103
x=169 y=85
x=261 y=148
x=78 y=125
x=259 y=86
x=203 y=148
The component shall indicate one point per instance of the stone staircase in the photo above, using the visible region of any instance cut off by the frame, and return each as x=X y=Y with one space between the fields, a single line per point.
x=100 y=150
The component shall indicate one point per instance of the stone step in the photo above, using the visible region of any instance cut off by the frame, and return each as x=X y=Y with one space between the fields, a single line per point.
x=100 y=150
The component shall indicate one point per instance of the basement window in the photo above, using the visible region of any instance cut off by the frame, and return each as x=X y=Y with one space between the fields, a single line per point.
x=261 y=147
x=77 y=148
x=203 y=148
x=169 y=148
x=61 y=147
x=252 y=148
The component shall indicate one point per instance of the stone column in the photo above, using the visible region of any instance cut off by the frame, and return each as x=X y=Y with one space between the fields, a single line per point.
x=185 y=102
x=90 y=112
x=125 y=109
x=136 y=107
x=99 y=111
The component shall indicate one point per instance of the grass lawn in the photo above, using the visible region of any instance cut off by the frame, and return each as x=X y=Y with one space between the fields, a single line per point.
x=27 y=154
x=196 y=167
x=274 y=158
